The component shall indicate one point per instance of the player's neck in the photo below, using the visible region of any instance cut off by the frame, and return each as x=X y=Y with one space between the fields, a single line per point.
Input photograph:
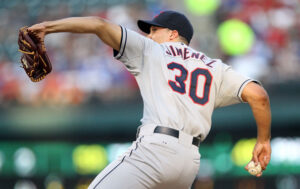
x=177 y=40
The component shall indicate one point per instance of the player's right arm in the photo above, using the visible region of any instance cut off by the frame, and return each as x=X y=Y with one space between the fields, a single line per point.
x=259 y=102
x=108 y=32
x=238 y=88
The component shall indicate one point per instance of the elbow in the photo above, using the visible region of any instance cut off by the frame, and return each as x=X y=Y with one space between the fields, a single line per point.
x=254 y=93
x=260 y=96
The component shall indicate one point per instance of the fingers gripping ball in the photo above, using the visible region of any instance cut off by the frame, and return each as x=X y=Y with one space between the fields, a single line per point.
x=254 y=170
x=34 y=60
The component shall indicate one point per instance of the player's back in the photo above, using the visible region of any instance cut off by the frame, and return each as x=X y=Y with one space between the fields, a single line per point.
x=181 y=87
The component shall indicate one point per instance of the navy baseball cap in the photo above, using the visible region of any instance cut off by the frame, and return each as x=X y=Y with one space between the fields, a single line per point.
x=172 y=20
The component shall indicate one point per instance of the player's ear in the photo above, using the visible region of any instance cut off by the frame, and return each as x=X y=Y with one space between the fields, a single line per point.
x=174 y=34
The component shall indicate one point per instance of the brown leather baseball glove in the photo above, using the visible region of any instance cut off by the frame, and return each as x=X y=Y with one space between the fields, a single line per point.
x=34 y=60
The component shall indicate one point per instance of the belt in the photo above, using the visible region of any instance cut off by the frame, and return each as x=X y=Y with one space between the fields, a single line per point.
x=174 y=133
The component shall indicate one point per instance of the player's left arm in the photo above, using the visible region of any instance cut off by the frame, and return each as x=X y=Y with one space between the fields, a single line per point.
x=108 y=32
x=259 y=102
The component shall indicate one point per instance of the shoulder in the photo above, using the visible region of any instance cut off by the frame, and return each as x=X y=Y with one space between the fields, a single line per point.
x=136 y=40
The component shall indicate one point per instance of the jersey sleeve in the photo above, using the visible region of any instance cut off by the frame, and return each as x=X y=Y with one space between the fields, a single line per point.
x=133 y=47
x=231 y=87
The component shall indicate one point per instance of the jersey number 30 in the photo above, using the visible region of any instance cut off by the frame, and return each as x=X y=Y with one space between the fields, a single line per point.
x=179 y=84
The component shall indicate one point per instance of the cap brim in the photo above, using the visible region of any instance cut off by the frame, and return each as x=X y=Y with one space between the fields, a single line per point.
x=145 y=25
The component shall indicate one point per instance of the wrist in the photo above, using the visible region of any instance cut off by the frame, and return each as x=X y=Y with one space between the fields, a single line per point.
x=263 y=138
x=47 y=26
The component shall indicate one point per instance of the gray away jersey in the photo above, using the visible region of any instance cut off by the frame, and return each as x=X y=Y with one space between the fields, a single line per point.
x=180 y=87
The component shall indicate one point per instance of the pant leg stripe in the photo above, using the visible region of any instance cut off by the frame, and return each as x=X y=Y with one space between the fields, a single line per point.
x=109 y=173
x=118 y=164
x=136 y=146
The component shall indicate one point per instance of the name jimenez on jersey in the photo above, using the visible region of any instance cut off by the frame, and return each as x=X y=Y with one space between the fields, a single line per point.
x=187 y=53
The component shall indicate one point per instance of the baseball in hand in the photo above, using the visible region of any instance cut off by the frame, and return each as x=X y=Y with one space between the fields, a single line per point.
x=254 y=170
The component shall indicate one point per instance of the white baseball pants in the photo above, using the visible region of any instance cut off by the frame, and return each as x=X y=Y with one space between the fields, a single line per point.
x=154 y=161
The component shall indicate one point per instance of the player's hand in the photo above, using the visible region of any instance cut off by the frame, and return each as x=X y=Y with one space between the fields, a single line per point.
x=39 y=29
x=262 y=154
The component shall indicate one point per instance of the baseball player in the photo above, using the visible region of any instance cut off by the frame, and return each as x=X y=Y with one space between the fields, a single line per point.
x=180 y=88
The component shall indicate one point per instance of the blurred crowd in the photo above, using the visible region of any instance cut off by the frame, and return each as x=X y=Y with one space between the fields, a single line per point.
x=84 y=70
x=275 y=56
